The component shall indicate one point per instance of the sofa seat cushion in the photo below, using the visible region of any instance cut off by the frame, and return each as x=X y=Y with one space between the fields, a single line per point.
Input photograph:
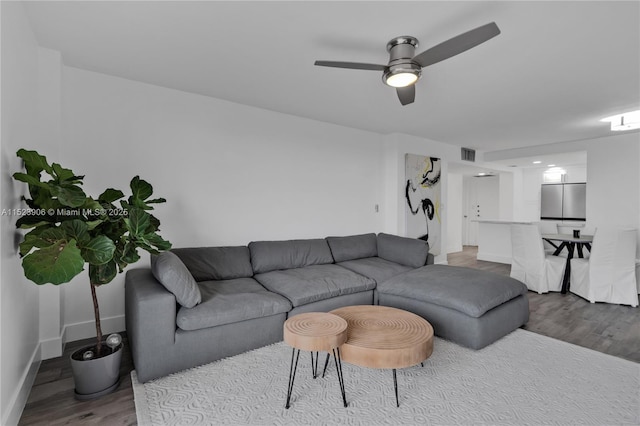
x=375 y=268
x=230 y=301
x=470 y=291
x=314 y=283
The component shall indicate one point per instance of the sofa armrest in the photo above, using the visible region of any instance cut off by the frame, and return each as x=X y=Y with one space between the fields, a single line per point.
x=430 y=259
x=150 y=316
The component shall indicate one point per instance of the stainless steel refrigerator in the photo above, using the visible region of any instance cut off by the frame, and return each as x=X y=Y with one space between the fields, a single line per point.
x=563 y=201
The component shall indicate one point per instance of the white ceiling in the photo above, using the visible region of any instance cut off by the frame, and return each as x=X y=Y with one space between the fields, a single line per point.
x=554 y=72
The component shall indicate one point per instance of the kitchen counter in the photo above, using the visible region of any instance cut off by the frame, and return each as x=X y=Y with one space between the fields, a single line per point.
x=502 y=222
x=494 y=240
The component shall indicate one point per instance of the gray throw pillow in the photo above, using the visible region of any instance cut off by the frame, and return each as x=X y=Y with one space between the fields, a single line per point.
x=176 y=278
x=353 y=247
x=216 y=263
x=406 y=251
x=269 y=256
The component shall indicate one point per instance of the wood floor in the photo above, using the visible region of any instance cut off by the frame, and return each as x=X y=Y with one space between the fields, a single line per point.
x=611 y=329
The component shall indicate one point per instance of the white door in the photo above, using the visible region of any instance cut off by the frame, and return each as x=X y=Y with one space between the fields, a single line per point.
x=482 y=202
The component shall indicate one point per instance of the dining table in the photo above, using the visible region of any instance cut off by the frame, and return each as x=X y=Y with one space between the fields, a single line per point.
x=572 y=244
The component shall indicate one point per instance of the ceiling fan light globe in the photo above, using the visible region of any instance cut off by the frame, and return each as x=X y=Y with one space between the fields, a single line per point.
x=401 y=79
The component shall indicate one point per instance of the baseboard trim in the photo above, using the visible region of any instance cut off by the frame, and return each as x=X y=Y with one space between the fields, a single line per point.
x=455 y=249
x=21 y=395
x=494 y=258
x=87 y=329
x=51 y=348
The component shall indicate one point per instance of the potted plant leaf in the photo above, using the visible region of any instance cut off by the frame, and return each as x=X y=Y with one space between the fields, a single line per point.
x=71 y=231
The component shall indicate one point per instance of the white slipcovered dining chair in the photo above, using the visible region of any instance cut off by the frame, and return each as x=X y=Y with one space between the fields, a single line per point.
x=547 y=228
x=609 y=275
x=530 y=264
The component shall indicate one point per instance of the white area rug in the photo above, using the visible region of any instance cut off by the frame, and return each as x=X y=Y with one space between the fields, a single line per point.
x=524 y=378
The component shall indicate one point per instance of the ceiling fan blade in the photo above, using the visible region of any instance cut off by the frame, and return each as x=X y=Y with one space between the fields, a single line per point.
x=457 y=44
x=406 y=94
x=351 y=65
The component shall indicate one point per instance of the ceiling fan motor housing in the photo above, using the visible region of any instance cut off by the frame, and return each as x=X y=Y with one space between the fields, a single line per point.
x=401 y=52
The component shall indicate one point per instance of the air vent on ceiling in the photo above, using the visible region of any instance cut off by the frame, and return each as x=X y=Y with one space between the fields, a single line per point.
x=468 y=154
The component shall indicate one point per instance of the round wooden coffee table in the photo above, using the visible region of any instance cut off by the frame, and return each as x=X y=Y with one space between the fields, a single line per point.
x=385 y=337
x=315 y=331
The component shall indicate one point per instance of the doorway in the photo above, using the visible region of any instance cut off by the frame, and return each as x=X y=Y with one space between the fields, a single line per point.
x=481 y=201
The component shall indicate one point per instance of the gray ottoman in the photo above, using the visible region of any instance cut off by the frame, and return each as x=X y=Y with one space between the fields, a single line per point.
x=467 y=306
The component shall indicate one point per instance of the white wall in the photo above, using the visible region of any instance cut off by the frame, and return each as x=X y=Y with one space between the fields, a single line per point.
x=454 y=213
x=19 y=318
x=49 y=124
x=230 y=173
x=506 y=196
x=613 y=194
x=518 y=196
x=531 y=184
x=576 y=174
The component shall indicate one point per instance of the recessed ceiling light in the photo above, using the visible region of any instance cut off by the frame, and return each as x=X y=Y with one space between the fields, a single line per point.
x=481 y=174
x=537 y=162
x=551 y=165
x=626 y=121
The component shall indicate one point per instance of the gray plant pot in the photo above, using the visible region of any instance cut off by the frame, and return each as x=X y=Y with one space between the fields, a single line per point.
x=96 y=377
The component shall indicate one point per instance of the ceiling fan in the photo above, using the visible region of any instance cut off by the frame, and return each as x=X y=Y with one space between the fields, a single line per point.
x=405 y=67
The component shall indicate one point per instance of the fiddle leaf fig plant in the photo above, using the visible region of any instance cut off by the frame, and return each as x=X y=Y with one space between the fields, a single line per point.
x=70 y=230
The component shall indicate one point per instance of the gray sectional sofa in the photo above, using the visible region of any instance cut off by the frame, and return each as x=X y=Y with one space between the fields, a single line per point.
x=197 y=305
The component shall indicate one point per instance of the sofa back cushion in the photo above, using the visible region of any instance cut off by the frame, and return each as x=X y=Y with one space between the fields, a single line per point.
x=353 y=247
x=216 y=263
x=276 y=255
x=405 y=251
x=176 y=278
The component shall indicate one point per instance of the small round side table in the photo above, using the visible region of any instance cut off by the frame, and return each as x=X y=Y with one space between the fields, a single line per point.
x=385 y=337
x=315 y=331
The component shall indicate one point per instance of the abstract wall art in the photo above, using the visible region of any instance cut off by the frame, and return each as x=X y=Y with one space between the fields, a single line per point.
x=422 y=200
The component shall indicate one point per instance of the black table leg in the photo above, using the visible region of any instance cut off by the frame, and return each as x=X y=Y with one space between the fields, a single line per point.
x=551 y=242
x=567 y=269
x=559 y=248
x=314 y=367
x=340 y=376
x=292 y=376
x=326 y=363
x=339 y=368
x=395 y=387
